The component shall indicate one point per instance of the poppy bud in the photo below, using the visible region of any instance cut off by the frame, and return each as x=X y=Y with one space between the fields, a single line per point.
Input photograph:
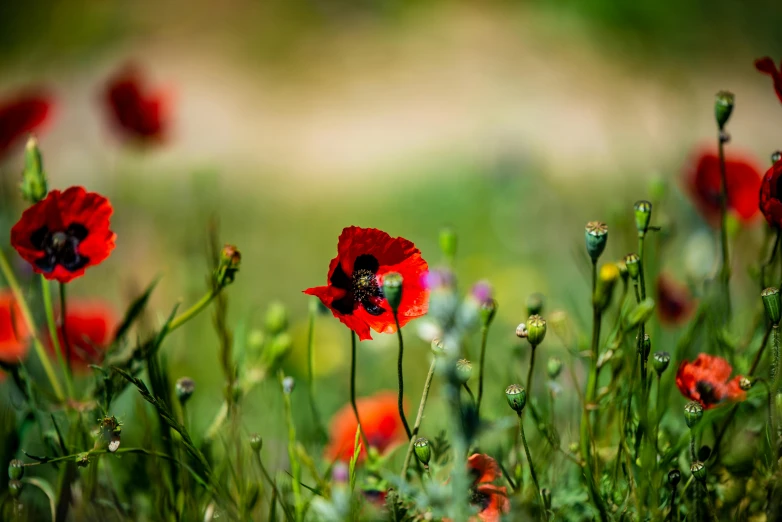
x=288 y=384
x=521 y=331
x=392 y=289
x=448 y=242
x=15 y=488
x=517 y=397
x=536 y=330
x=422 y=450
x=643 y=214
x=438 y=347
x=623 y=273
x=771 y=302
x=15 y=469
x=604 y=289
x=256 y=442
x=745 y=384
x=596 y=235
x=535 y=304
x=776 y=156
x=230 y=259
x=723 y=107
x=34 y=186
x=633 y=264
x=646 y=345
x=184 y=389
x=488 y=311
x=640 y=314
x=674 y=477
x=463 y=370
x=660 y=361
x=276 y=320
x=554 y=367
x=698 y=470
x=693 y=413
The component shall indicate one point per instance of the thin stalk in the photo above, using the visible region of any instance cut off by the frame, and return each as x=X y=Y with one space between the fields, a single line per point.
x=469 y=392
x=193 y=310
x=772 y=256
x=674 y=510
x=298 y=502
x=400 y=377
x=311 y=371
x=692 y=446
x=40 y=351
x=353 y=387
x=530 y=371
x=273 y=485
x=64 y=327
x=52 y=324
x=484 y=337
x=725 y=268
x=532 y=467
x=658 y=412
x=420 y=416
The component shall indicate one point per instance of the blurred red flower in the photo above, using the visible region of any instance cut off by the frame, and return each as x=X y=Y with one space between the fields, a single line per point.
x=13 y=330
x=766 y=66
x=491 y=501
x=771 y=195
x=706 y=380
x=743 y=183
x=354 y=293
x=675 y=303
x=379 y=420
x=136 y=112
x=89 y=330
x=20 y=116
x=63 y=234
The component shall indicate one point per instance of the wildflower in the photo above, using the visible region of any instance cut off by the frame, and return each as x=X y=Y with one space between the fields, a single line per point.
x=136 y=112
x=766 y=66
x=771 y=195
x=675 y=304
x=482 y=291
x=20 y=116
x=65 y=233
x=89 y=329
x=380 y=423
x=743 y=184
x=354 y=293
x=185 y=388
x=705 y=380
x=440 y=279
x=13 y=331
x=491 y=501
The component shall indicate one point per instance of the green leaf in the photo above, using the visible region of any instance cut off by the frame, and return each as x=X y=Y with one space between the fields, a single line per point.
x=46 y=488
x=354 y=459
x=134 y=311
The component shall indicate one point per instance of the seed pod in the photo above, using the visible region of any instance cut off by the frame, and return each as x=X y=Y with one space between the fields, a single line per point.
x=517 y=397
x=633 y=264
x=488 y=311
x=392 y=289
x=422 y=450
x=438 y=347
x=745 y=384
x=463 y=370
x=256 y=442
x=698 y=470
x=674 y=477
x=554 y=367
x=15 y=469
x=536 y=330
x=723 y=107
x=185 y=387
x=15 y=488
x=643 y=214
x=596 y=235
x=772 y=304
x=693 y=413
x=660 y=361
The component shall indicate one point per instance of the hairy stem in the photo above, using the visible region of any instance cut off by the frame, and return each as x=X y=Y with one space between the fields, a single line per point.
x=419 y=417
x=484 y=337
x=400 y=377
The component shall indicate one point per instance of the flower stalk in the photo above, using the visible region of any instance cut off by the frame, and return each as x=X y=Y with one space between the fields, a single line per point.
x=419 y=417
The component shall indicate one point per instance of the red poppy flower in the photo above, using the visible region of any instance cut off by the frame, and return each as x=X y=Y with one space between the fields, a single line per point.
x=20 y=116
x=771 y=195
x=136 y=112
x=675 y=304
x=13 y=330
x=743 y=180
x=89 y=330
x=706 y=380
x=354 y=293
x=63 y=234
x=491 y=501
x=379 y=420
x=766 y=66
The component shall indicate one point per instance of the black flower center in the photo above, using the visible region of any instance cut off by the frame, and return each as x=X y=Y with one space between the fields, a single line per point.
x=362 y=287
x=706 y=391
x=60 y=247
x=480 y=500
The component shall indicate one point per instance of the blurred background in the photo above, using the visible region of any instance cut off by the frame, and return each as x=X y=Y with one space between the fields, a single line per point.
x=514 y=123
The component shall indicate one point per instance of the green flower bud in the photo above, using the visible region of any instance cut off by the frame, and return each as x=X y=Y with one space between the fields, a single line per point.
x=15 y=469
x=674 y=477
x=698 y=470
x=623 y=273
x=34 y=186
x=640 y=314
x=660 y=361
x=536 y=330
x=745 y=384
x=554 y=367
x=693 y=413
x=438 y=347
x=643 y=214
x=723 y=107
x=535 y=304
x=772 y=304
x=230 y=259
x=517 y=397
x=488 y=311
x=277 y=349
x=604 y=288
x=256 y=442
x=185 y=387
x=15 y=488
x=463 y=370
x=596 y=235
x=392 y=289
x=633 y=264
x=276 y=320
x=448 y=242
x=776 y=156
x=422 y=450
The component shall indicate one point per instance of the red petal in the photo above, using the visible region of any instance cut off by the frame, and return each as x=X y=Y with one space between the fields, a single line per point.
x=484 y=468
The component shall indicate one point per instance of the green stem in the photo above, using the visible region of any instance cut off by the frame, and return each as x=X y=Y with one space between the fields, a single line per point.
x=50 y=320
x=273 y=485
x=353 y=387
x=311 y=371
x=692 y=446
x=64 y=328
x=530 y=371
x=532 y=467
x=400 y=377
x=419 y=417
x=725 y=268
x=193 y=310
x=298 y=503
x=484 y=337
x=771 y=257
x=40 y=351
x=674 y=511
x=469 y=392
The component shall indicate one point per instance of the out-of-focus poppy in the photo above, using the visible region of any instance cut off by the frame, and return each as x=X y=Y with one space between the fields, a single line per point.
x=137 y=113
x=771 y=195
x=21 y=115
x=707 y=380
x=13 y=330
x=675 y=303
x=491 y=501
x=767 y=66
x=89 y=329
